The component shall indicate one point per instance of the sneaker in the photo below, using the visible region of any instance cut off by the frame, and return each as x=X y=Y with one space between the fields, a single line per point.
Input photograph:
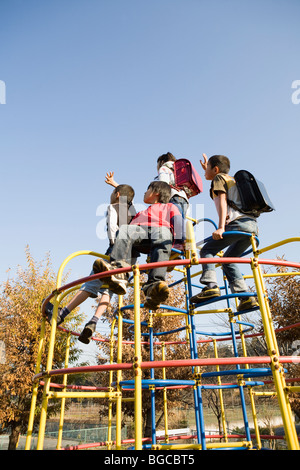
x=206 y=294
x=247 y=303
x=156 y=294
x=100 y=265
x=87 y=333
x=49 y=313
x=117 y=283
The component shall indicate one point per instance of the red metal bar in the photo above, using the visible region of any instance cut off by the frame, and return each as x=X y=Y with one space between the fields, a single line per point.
x=175 y=363
x=182 y=262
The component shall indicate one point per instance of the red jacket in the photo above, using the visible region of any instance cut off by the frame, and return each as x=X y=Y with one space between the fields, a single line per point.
x=162 y=215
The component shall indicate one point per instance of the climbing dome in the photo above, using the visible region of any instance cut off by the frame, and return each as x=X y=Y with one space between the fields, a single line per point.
x=247 y=374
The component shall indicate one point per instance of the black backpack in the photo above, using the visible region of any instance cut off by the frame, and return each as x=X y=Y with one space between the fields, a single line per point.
x=253 y=194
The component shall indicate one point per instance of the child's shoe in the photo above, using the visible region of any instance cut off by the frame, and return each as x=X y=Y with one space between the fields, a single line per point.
x=246 y=303
x=117 y=283
x=206 y=294
x=87 y=333
x=156 y=294
x=49 y=313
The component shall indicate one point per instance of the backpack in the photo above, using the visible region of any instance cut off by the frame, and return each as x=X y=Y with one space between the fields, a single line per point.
x=253 y=195
x=187 y=178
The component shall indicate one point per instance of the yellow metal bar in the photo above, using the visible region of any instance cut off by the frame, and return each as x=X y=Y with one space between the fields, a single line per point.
x=217 y=445
x=176 y=446
x=63 y=401
x=190 y=243
x=233 y=445
x=124 y=400
x=165 y=395
x=265 y=394
x=35 y=386
x=220 y=310
x=191 y=219
x=82 y=394
x=220 y=394
x=251 y=394
x=276 y=245
x=110 y=381
x=279 y=381
x=43 y=416
x=119 y=377
x=72 y=256
x=110 y=404
x=293 y=389
x=292 y=273
x=137 y=361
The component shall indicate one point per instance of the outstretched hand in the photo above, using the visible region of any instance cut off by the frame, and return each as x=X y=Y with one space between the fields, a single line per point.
x=109 y=179
x=204 y=163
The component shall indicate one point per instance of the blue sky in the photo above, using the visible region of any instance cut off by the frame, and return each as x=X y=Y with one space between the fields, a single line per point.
x=95 y=86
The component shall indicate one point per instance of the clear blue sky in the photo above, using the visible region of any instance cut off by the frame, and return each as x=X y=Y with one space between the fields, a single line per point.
x=97 y=85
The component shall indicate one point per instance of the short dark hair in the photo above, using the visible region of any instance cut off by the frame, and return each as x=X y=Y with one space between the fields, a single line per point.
x=126 y=191
x=161 y=188
x=222 y=162
x=166 y=157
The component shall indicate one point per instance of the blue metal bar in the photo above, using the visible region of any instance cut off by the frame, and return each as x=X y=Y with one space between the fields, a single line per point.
x=228 y=297
x=241 y=390
x=194 y=355
x=206 y=220
x=232 y=232
x=247 y=373
x=158 y=383
x=152 y=392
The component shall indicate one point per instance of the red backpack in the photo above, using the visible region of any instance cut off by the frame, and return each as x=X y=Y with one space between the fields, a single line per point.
x=187 y=178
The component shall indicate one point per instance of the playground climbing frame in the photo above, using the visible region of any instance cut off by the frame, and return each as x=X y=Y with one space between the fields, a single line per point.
x=248 y=378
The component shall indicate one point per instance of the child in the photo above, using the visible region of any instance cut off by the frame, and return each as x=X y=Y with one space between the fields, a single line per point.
x=120 y=211
x=165 y=168
x=223 y=190
x=153 y=230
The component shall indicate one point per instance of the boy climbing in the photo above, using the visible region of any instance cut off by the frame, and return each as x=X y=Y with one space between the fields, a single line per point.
x=120 y=211
x=223 y=190
x=153 y=230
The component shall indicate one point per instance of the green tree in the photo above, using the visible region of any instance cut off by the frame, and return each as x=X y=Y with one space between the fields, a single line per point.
x=20 y=321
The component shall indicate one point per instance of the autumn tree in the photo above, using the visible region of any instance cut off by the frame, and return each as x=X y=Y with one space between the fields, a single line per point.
x=176 y=347
x=20 y=321
x=284 y=291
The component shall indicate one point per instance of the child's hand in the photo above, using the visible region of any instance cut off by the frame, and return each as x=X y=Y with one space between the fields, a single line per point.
x=204 y=164
x=109 y=179
x=218 y=234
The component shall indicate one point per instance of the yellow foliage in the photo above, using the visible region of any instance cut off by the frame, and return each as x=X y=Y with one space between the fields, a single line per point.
x=20 y=320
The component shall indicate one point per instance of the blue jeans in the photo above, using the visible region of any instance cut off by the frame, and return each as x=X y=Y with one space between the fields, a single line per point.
x=181 y=204
x=154 y=240
x=237 y=244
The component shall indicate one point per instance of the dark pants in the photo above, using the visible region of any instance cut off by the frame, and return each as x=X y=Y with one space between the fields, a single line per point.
x=157 y=241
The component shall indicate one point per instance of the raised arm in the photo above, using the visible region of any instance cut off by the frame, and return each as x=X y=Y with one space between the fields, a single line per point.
x=204 y=162
x=109 y=179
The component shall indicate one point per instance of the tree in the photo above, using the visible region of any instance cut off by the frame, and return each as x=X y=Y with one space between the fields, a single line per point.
x=179 y=349
x=284 y=291
x=20 y=319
